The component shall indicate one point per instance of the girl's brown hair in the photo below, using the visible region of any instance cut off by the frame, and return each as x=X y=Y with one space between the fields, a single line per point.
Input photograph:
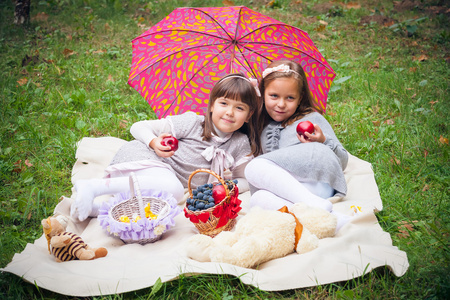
x=239 y=89
x=306 y=105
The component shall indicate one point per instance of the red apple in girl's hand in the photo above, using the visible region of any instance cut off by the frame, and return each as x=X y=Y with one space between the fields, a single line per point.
x=170 y=141
x=305 y=126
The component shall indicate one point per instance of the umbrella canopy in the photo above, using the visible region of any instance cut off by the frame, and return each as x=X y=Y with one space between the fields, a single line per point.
x=176 y=63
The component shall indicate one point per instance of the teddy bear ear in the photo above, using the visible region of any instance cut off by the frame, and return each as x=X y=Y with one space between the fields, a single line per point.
x=45 y=224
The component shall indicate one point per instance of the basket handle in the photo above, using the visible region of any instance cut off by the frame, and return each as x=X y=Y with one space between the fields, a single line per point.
x=134 y=188
x=227 y=191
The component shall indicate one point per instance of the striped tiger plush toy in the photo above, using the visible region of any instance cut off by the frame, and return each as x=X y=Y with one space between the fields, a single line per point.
x=65 y=245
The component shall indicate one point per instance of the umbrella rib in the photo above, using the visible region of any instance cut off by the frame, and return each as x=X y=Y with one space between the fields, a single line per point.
x=214 y=20
x=195 y=74
x=262 y=27
x=290 y=47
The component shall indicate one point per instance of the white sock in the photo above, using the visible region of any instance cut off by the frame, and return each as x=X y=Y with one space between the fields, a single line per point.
x=266 y=175
x=153 y=178
x=342 y=219
x=267 y=200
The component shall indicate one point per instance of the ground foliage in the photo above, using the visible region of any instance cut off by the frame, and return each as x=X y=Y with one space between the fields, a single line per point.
x=64 y=77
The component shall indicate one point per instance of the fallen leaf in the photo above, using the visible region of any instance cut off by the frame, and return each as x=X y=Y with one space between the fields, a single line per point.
x=426 y=188
x=107 y=27
x=407 y=225
x=376 y=123
x=123 y=123
x=40 y=17
x=27 y=162
x=376 y=65
x=68 y=52
x=322 y=36
x=389 y=122
x=413 y=69
x=425 y=153
x=17 y=166
x=228 y=3
x=443 y=140
x=413 y=96
x=433 y=102
x=423 y=57
x=353 y=5
x=101 y=51
x=29 y=216
x=110 y=78
x=22 y=81
x=395 y=160
x=403 y=234
x=323 y=22
x=389 y=23
x=321 y=27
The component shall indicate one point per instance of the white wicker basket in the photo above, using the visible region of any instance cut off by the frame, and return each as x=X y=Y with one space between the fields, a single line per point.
x=143 y=231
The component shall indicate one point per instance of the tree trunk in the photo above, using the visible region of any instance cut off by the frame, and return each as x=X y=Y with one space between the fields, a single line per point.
x=22 y=12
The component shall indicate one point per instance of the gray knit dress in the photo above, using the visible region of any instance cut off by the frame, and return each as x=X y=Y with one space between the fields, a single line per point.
x=312 y=161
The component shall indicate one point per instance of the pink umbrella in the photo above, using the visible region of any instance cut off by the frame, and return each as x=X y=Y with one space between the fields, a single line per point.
x=177 y=62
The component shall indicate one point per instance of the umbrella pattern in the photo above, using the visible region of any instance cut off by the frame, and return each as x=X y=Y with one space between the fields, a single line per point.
x=176 y=63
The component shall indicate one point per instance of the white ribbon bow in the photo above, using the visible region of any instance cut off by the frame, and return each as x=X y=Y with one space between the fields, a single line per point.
x=220 y=160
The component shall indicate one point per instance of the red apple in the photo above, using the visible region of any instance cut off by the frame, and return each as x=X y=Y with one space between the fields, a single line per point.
x=218 y=193
x=170 y=141
x=305 y=126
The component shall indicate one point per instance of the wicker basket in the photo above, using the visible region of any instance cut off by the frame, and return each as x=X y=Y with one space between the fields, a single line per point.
x=210 y=227
x=143 y=231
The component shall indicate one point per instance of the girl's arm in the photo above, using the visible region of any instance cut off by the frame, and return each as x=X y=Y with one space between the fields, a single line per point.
x=146 y=131
x=339 y=150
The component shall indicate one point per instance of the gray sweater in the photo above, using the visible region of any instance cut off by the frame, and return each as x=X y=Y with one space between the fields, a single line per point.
x=188 y=129
x=314 y=161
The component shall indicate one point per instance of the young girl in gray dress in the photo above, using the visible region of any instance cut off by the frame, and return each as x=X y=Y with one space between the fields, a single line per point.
x=225 y=138
x=294 y=168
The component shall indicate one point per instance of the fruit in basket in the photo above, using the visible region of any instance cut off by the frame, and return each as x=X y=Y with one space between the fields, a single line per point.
x=305 y=126
x=219 y=193
x=207 y=195
x=170 y=141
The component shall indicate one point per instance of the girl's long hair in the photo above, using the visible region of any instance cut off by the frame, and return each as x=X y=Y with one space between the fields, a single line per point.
x=306 y=105
x=240 y=90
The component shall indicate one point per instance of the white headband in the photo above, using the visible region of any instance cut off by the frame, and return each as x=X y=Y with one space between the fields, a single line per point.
x=252 y=81
x=281 y=68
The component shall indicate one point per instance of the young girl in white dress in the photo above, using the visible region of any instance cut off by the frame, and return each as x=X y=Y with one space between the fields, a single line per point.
x=225 y=138
x=294 y=168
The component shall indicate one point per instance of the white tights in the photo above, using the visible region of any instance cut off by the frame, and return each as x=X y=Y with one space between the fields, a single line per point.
x=277 y=187
x=151 y=178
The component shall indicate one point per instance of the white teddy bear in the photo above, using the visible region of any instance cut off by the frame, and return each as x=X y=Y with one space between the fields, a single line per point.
x=263 y=235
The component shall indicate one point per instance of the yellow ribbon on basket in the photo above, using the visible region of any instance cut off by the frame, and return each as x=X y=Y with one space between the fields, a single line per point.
x=298 y=225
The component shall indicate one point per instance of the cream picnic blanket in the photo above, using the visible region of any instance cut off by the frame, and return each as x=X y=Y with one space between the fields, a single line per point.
x=359 y=247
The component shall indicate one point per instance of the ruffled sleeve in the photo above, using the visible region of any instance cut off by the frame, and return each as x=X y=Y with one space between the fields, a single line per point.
x=271 y=137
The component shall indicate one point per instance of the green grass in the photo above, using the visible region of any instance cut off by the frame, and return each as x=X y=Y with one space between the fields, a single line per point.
x=392 y=111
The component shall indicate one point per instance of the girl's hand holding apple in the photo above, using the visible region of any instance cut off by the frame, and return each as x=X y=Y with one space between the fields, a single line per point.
x=164 y=145
x=308 y=133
